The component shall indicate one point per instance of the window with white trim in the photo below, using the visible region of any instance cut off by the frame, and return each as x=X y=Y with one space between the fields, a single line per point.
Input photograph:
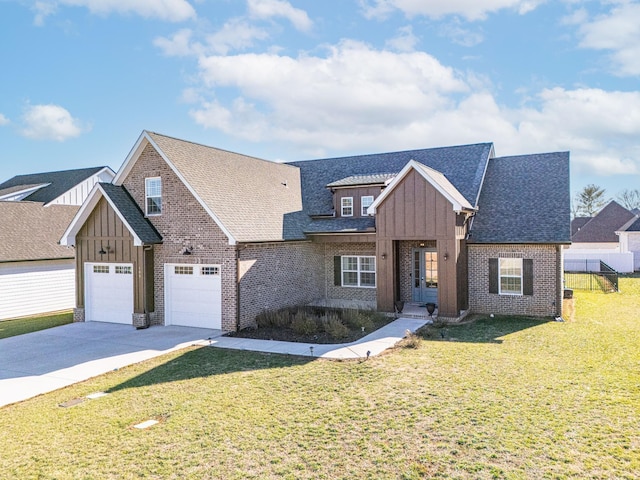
x=510 y=276
x=358 y=271
x=365 y=203
x=153 y=195
x=346 y=204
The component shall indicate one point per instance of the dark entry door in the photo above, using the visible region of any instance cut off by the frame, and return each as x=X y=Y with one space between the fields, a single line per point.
x=425 y=275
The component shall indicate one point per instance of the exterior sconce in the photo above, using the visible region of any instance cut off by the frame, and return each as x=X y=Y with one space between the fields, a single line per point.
x=384 y=255
x=102 y=252
x=187 y=250
x=446 y=256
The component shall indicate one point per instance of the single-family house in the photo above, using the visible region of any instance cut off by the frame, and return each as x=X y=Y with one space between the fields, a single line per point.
x=598 y=238
x=187 y=234
x=36 y=273
x=629 y=235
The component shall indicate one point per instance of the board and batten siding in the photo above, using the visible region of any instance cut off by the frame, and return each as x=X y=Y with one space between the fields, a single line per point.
x=32 y=288
x=104 y=230
x=415 y=210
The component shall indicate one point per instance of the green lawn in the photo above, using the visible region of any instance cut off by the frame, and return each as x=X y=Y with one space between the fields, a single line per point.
x=9 y=328
x=499 y=398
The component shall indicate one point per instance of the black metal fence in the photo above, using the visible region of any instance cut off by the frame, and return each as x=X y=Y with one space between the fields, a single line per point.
x=590 y=275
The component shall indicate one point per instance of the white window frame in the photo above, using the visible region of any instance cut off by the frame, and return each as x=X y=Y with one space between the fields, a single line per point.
x=508 y=275
x=359 y=270
x=152 y=195
x=365 y=205
x=344 y=207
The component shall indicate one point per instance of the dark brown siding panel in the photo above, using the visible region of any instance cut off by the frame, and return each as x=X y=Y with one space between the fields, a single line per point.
x=462 y=267
x=493 y=275
x=527 y=276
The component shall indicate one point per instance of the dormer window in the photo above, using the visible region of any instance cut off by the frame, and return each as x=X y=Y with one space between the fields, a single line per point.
x=153 y=195
x=347 y=207
x=365 y=203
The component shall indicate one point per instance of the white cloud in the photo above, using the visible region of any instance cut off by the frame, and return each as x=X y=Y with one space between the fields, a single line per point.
x=266 y=9
x=356 y=98
x=3 y=120
x=461 y=35
x=50 y=122
x=405 y=41
x=619 y=33
x=236 y=34
x=179 y=44
x=469 y=9
x=169 y=10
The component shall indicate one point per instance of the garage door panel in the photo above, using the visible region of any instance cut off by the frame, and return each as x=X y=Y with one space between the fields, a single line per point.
x=109 y=292
x=191 y=298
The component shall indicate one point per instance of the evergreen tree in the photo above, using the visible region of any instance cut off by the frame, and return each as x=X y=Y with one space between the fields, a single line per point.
x=590 y=200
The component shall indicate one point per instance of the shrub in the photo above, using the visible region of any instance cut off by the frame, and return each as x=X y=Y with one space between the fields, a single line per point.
x=410 y=340
x=334 y=327
x=357 y=319
x=273 y=318
x=304 y=324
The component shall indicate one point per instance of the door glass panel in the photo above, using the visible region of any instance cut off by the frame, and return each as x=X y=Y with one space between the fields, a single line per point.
x=416 y=269
x=431 y=269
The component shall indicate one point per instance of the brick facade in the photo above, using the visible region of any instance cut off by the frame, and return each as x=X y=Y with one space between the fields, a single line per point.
x=547 y=277
x=183 y=224
x=334 y=292
x=278 y=275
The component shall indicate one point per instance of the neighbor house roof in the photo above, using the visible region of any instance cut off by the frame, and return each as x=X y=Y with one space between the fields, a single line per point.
x=603 y=226
x=632 y=225
x=463 y=166
x=52 y=184
x=578 y=222
x=524 y=199
x=249 y=198
x=143 y=232
x=30 y=231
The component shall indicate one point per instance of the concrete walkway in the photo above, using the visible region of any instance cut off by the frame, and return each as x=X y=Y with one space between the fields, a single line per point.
x=374 y=343
x=40 y=362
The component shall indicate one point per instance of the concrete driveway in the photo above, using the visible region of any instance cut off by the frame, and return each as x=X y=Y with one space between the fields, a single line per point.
x=44 y=361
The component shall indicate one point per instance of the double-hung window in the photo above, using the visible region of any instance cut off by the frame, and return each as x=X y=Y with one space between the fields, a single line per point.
x=510 y=276
x=346 y=204
x=358 y=271
x=365 y=203
x=153 y=195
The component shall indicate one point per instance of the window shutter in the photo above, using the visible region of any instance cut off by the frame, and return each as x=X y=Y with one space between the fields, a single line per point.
x=337 y=271
x=493 y=275
x=527 y=276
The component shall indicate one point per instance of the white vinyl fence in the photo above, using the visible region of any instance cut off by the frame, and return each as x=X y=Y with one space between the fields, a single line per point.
x=589 y=260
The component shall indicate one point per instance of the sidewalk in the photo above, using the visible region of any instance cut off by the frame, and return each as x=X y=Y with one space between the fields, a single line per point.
x=374 y=343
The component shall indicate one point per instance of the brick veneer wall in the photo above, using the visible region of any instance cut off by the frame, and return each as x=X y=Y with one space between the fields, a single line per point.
x=183 y=223
x=278 y=275
x=546 y=298
x=347 y=293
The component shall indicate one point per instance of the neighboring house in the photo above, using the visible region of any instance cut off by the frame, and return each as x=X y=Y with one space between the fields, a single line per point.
x=36 y=273
x=629 y=235
x=192 y=235
x=597 y=238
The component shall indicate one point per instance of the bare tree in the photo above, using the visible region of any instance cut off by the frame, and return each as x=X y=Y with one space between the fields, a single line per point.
x=590 y=200
x=629 y=199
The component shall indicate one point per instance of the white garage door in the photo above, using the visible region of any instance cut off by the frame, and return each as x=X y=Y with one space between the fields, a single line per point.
x=108 y=292
x=193 y=295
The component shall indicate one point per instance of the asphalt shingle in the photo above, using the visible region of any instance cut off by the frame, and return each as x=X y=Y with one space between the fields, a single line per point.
x=603 y=226
x=524 y=199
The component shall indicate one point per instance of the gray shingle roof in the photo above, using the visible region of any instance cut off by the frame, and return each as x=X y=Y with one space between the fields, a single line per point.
x=30 y=231
x=578 y=222
x=463 y=166
x=634 y=225
x=524 y=199
x=130 y=210
x=255 y=199
x=341 y=225
x=603 y=226
x=60 y=182
x=356 y=180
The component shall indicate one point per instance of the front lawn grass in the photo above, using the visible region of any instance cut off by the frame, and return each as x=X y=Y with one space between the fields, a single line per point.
x=498 y=398
x=20 y=326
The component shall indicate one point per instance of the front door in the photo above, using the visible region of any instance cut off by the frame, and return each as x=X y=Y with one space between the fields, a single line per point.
x=425 y=275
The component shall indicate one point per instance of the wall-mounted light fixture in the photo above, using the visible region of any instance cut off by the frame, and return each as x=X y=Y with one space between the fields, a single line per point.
x=384 y=255
x=446 y=256
x=102 y=252
x=187 y=250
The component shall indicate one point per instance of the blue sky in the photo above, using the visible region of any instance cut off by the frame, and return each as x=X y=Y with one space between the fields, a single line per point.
x=291 y=80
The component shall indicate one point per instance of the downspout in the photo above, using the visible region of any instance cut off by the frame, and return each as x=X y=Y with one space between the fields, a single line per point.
x=237 y=288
